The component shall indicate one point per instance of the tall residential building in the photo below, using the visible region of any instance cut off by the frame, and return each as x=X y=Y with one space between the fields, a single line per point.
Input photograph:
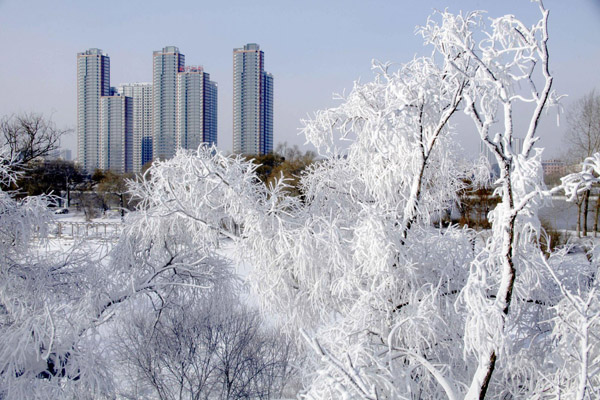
x=141 y=94
x=93 y=81
x=211 y=112
x=116 y=133
x=166 y=64
x=252 y=102
x=196 y=108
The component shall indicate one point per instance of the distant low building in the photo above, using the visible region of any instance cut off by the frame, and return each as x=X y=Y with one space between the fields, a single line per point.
x=554 y=167
x=65 y=154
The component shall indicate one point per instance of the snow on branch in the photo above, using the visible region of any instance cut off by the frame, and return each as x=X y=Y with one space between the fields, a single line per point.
x=579 y=182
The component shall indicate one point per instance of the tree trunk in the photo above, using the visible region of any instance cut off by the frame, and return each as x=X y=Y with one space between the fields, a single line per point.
x=122 y=209
x=68 y=194
x=487 y=361
x=586 y=203
x=596 y=215
x=579 y=218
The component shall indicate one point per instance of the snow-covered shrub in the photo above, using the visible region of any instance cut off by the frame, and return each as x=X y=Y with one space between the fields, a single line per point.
x=58 y=301
x=206 y=344
x=44 y=307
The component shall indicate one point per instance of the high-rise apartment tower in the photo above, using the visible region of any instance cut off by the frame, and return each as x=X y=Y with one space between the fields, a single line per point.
x=116 y=133
x=141 y=95
x=196 y=108
x=93 y=81
x=166 y=64
x=252 y=102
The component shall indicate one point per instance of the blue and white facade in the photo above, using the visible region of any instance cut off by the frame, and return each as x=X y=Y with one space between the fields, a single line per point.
x=167 y=63
x=93 y=82
x=124 y=128
x=141 y=95
x=116 y=133
x=196 y=108
x=252 y=102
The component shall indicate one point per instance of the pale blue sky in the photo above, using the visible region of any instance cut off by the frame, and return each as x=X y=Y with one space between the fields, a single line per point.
x=313 y=48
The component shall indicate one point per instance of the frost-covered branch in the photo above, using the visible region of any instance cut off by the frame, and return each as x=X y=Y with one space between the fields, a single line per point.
x=579 y=182
x=578 y=327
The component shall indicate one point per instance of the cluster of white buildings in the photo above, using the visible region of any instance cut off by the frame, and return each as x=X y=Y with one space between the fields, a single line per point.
x=122 y=128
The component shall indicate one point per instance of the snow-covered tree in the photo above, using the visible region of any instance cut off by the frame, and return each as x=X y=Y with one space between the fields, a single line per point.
x=395 y=303
x=38 y=297
x=58 y=302
x=207 y=344
x=583 y=140
x=392 y=304
x=575 y=326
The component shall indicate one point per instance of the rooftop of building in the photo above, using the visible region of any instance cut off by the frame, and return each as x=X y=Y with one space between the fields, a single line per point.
x=93 y=52
x=248 y=47
x=167 y=50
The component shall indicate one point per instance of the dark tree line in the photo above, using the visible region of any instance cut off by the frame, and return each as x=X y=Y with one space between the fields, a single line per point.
x=287 y=162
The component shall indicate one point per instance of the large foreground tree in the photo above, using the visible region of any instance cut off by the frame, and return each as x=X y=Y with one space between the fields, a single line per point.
x=394 y=303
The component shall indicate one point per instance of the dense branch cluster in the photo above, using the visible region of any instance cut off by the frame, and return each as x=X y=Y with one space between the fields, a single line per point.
x=29 y=136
